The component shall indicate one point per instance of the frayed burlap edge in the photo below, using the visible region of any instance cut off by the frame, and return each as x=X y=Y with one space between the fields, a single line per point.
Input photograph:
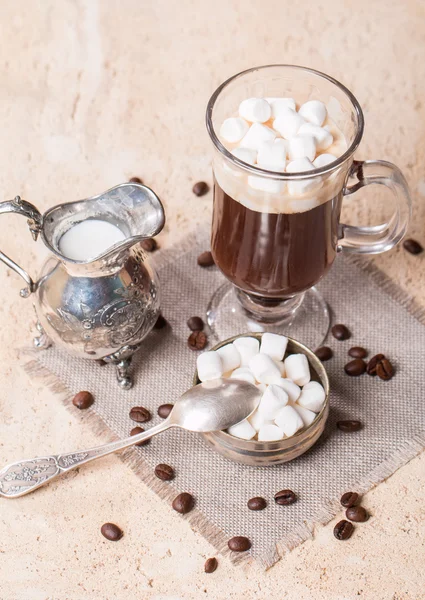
x=215 y=536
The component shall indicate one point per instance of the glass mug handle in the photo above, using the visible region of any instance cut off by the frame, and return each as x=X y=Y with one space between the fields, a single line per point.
x=375 y=239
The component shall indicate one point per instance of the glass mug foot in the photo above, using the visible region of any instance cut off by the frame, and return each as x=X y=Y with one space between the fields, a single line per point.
x=231 y=312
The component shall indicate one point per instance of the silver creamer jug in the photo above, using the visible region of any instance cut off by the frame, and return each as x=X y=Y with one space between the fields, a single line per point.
x=101 y=307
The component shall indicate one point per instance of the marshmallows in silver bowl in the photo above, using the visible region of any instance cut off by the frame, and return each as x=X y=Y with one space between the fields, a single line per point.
x=291 y=399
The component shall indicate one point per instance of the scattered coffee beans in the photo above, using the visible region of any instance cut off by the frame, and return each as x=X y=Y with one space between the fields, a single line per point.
x=358 y=514
x=164 y=472
x=136 y=431
x=285 y=497
x=355 y=367
x=164 y=410
x=197 y=340
x=183 y=503
x=135 y=180
x=111 y=532
x=412 y=246
x=83 y=400
x=200 y=188
x=140 y=414
x=257 y=503
x=195 y=324
x=324 y=353
x=205 y=259
x=149 y=245
x=340 y=332
x=349 y=499
x=239 y=544
x=343 y=530
x=384 y=369
x=210 y=565
x=372 y=364
x=349 y=426
x=161 y=322
x=357 y=352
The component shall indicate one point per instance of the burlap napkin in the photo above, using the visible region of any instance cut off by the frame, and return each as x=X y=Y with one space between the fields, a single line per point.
x=381 y=318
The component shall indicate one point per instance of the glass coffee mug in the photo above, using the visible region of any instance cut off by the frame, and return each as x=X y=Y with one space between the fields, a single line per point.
x=275 y=235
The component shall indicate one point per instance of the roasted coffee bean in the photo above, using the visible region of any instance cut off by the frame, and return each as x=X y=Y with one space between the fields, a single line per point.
x=200 y=188
x=357 y=352
x=210 y=565
x=257 y=503
x=340 y=332
x=343 y=530
x=206 y=259
x=161 y=322
x=135 y=180
x=183 y=503
x=349 y=499
x=136 y=431
x=83 y=400
x=358 y=514
x=372 y=364
x=111 y=532
x=349 y=426
x=412 y=246
x=164 y=472
x=285 y=497
x=384 y=369
x=164 y=410
x=324 y=353
x=239 y=544
x=355 y=367
x=197 y=340
x=195 y=324
x=101 y=362
x=149 y=245
x=140 y=414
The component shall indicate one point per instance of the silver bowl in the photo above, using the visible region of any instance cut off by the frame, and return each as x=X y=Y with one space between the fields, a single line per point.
x=254 y=453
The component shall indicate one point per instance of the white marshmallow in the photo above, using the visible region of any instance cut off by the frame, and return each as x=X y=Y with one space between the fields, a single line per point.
x=246 y=154
x=233 y=129
x=273 y=345
x=312 y=396
x=256 y=110
x=247 y=348
x=281 y=367
x=324 y=159
x=272 y=155
x=261 y=386
x=263 y=184
x=297 y=369
x=244 y=374
x=314 y=112
x=289 y=420
x=243 y=430
x=280 y=104
x=264 y=369
x=273 y=399
x=302 y=186
x=230 y=357
x=256 y=135
x=257 y=420
x=322 y=136
x=270 y=433
x=292 y=389
x=306 y=415
x=209 y=366
x=302 y=145
x=288 y=123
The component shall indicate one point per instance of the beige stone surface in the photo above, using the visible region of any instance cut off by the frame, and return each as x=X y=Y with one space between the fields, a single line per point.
x=94 y=92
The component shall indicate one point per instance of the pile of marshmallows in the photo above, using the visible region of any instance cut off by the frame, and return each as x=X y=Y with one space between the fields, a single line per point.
x=297 y=136
x=290 y=401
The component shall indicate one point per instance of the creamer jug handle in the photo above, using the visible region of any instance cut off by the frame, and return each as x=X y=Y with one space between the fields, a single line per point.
x=35 y=221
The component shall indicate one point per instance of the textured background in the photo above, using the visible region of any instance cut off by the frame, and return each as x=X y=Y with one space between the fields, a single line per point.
x=95 y=92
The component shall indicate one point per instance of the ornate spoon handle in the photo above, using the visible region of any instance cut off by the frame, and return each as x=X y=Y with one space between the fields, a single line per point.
x=25 y=476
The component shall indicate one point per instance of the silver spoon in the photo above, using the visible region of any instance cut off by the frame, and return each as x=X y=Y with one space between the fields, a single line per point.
x=210 y=406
